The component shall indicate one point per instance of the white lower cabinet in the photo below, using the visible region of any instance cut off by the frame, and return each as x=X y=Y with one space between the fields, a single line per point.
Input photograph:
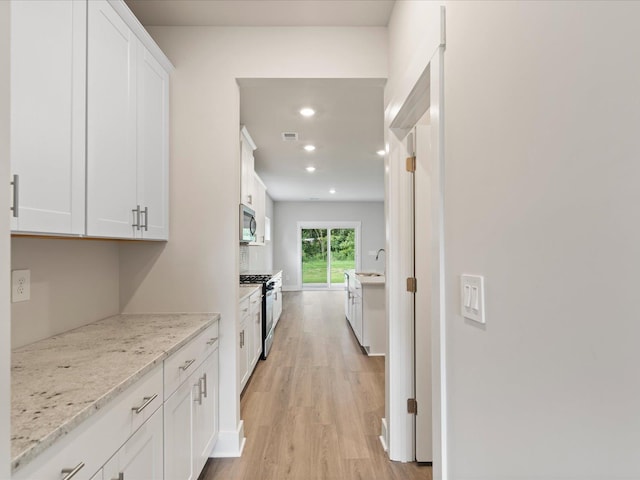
x=243 y=350
x=191 y=422
x=255 y=307
x=205 y=418
x=152 y=439
x=140 y=458
x=178 y=433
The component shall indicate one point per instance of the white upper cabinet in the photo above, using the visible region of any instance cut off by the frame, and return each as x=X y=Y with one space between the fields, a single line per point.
x=128 y=132
x=247 y=147
x=259 y=193
x=48 y=65
x=111 y=124
x=153 y=147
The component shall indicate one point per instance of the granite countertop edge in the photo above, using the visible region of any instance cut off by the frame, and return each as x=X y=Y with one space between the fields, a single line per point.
x=44 y=443
x=248 y=289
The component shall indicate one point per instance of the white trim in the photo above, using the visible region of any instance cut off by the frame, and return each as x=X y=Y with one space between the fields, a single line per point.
x=399 y=365
x=245 y=133
x=384 y=435
x=230 y=443
x=141 y=33
x=357 y=225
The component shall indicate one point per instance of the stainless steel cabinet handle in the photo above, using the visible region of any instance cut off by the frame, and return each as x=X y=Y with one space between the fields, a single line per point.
x=145 y=212
x=16 y=196
x=187 y=364
x=69 y=473
x=120 y=476
x=199 y=399
x=212 y=341
x=147 y=401
x=242 y=339
x=136 y=212
x=204 y=383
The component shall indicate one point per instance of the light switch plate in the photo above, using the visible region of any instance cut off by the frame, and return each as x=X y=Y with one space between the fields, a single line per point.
x=472 y=298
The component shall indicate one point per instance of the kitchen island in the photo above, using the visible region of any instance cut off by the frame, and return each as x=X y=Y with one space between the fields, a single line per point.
x=365 y=309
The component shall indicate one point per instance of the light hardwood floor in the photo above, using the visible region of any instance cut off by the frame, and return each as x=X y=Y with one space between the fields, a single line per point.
x=312 y=410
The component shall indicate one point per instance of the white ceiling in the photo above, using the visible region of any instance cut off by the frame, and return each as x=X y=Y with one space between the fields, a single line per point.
x=347 y=131
x=276 y=13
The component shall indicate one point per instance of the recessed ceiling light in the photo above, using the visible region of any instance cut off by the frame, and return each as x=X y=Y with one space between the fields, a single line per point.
x=307 y=112
x=332 y=191
x=381 y=153
x=309 y=148
x=311 y=169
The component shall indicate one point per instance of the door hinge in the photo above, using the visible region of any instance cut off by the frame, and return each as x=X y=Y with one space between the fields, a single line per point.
x=412 y=285
x=412 y=406
x=411 y=164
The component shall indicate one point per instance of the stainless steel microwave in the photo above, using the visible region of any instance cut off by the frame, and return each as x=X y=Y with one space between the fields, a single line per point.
x=247 y=224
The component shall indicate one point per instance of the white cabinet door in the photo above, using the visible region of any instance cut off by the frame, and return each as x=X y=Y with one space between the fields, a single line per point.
x=141 y=457
x=243 y=366
x=277 y=302
x=259 y=203
x=48 y=61
x=205 y=424
x=111 y=123
x=153 y=147
x=255 y=302
x=357 y=316
x=247 y=168
x=178 y=433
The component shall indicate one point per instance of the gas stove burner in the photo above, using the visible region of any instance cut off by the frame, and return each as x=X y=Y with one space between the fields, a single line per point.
x=254 y=278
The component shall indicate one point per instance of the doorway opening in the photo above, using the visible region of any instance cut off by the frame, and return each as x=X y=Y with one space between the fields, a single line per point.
x=326 y=250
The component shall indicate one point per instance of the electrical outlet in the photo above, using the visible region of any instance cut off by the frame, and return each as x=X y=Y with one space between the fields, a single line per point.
x=20 y=285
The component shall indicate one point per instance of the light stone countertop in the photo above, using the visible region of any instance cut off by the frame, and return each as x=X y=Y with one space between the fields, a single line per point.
x=367 y=279
x=370 y=280
x=247 y=290
x=59 y=382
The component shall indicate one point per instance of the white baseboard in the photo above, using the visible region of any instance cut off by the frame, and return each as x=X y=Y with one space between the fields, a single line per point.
x=230 y=443
x=383 y=435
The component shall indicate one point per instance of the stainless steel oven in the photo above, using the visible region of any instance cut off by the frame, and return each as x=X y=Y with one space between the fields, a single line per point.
x=268 y=291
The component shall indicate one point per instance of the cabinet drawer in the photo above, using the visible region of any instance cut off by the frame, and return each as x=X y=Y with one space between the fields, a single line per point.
x=255 y=301
x=91 y=444
x=181 y=364
x=244 y=308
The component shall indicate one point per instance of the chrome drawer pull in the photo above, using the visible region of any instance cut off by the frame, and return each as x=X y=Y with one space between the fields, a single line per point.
x=69 y=473
x=16 y=196
x=212 y=341
x=204 y=381
x=147 y=401
x=187 y=364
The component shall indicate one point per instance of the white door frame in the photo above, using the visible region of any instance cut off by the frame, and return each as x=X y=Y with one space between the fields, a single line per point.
x=401 y=115
x=327 y=225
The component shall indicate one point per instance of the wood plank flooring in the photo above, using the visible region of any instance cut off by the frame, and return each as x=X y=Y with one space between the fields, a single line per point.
x=312 y=410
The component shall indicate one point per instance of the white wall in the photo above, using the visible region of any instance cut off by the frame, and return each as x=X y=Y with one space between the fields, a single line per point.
x=198 y=269
x=73 y=282
x=541 y=197
x=5 y=318
x=371 y=214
